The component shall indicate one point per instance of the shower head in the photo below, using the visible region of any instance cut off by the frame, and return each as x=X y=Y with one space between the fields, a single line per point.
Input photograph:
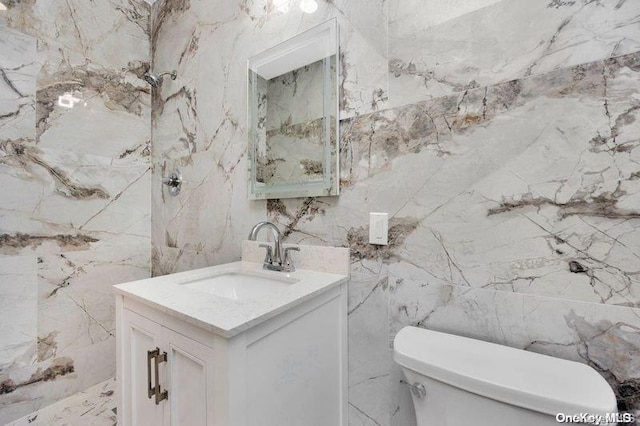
x=155 y=79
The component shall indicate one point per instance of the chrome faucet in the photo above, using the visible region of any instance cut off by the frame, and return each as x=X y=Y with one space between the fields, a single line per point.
x=276 y=259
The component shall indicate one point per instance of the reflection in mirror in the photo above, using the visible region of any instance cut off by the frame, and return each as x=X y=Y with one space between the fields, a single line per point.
x=293 y=117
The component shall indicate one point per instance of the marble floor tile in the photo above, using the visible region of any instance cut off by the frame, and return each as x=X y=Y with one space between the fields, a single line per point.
x=94 y=407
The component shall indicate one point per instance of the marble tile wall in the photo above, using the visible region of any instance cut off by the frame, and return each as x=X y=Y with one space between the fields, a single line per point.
x=75 y=214
x=199 y=120
x=500 y=135
x=517 y=223
x=453 y=46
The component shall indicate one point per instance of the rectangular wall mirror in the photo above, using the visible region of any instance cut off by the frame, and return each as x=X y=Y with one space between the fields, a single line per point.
x=293 y=117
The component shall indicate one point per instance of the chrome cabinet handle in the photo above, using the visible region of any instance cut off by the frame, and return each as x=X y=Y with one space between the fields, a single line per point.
x=159 y=393
x=151 y=355
x=151 y=389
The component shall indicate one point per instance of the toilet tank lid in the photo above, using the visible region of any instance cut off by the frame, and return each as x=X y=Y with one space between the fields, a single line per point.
x=525 y=379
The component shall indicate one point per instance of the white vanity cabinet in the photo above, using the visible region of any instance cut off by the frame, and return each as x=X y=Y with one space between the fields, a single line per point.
x=280 y=361
x=183 y=365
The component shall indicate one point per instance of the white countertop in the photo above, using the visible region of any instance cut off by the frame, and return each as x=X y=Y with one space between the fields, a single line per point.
x=226 y=317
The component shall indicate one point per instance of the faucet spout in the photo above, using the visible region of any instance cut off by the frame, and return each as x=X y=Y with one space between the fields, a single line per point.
x=277 y=237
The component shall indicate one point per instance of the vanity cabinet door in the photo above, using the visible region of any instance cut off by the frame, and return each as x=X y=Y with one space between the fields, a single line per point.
x=140 y=335
x=185 y=374
x=190 y=380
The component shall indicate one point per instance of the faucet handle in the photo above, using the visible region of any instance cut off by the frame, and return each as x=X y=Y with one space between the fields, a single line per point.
x=268 y=258
x=288 y=260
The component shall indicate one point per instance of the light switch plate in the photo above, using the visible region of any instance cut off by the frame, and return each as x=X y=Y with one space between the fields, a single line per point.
x=379 y=228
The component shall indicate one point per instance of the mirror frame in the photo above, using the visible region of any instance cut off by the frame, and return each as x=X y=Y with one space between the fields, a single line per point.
x=318 y=43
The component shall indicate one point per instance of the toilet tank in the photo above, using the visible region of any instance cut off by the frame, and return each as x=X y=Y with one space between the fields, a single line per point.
x=470 y=381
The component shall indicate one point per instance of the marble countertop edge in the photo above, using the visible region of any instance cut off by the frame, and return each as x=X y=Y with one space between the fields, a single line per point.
x=219 y=315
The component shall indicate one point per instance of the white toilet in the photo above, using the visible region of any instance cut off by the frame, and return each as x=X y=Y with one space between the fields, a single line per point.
x=458 y=381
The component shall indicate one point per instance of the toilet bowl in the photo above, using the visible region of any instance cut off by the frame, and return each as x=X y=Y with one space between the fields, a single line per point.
x=460 y=381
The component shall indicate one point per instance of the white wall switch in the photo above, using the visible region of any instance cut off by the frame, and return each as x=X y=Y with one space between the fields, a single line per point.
x=379 y=228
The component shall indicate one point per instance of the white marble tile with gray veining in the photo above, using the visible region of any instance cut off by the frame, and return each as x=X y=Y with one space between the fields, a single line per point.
x=334 y=260
x=551 y=211
x=95 y=406
x=70 y=201
x=76 y=306
x=19 y=307
x=369 y=355
x=204 y=214
x=437 y=49
x=90 y=168
x=18 y=69
x=525 y=187
x=169 y=260
x=186 y=123
x=77 y=158
x=78 y=33
x=75 y=318
x=253 y=29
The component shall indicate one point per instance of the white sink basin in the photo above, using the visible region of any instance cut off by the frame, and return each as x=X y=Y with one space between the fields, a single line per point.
x=240 y=285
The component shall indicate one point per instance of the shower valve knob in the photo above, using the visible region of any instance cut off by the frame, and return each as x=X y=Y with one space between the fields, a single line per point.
x=174 y=182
